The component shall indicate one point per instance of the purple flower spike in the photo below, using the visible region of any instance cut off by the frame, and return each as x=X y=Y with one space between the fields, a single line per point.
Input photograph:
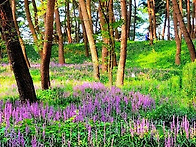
x=34 y=141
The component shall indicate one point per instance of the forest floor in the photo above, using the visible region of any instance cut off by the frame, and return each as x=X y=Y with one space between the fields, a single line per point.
x=156 y=105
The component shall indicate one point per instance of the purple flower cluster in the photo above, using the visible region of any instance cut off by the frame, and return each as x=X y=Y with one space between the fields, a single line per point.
x=79 y=90
x=4 y=64
x=99 y=104
x=112 y=98
x=13 y=114
x=53 y=64
x=140 y=101
x=177 y=129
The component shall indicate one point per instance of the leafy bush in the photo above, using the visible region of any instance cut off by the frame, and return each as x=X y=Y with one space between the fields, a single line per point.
x=3 y=52
x=188 y=79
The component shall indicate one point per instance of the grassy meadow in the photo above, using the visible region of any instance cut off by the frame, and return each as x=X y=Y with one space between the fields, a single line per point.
x=155 y=107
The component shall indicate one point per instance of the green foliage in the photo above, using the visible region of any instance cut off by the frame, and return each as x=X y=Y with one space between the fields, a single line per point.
x=117 y=24
x=188 y=79
x=75 y=54
x=57 y=97
x=3 y=52
x=32 y=54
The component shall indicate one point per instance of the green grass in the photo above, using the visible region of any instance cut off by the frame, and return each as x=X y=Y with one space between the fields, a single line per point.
x=159 y=56
x=153 y=66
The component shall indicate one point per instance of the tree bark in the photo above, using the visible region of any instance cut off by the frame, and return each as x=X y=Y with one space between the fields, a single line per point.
x=88 y=8
x=23 y=78
x=188 y=16
x=164 y=26
x=13 y=4
x=129 y=19
x=177 y=39
x=90 y=39
x=193 y=20
x=150 y=22
x=76 y=22
x=180 y=6
x=45 y=78
x=31 y=26
x=35 y=15
x=111 y=54
x=168 y=21
x=60 y=37
x=84 y=34
x=68 y=23
x=123 y=50
x=184 y=31
x=111 y=30
x=154 y=19
x=2 y=38
x=105 y=37
x=134 y=19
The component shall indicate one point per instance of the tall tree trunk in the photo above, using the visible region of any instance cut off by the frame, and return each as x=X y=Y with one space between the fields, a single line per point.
x=112 y=56
x=177 y=39
x=154 y=19
x=168 y=21
x=164 y=26
x=111 y=30
x=104 y=36
x=90 y=39
x=184 y=31
x=65 y=23
x=60 y=37
x=193 y=20
x=68 y=23
x=45 y=78
x=2 y=38
x=84 y=33
x=23 y=78
x=88 y=8
x=194 y=32
x=150 y=21
x=78 y=30
x=180 y=6
x=31 y=26
x=129 y=19
x=117 y=36
x=134 y=18
x=40 y=36
x=76 y=22
x=35 y=15
x=123 y=50
x=188 y=16
x=13 y=4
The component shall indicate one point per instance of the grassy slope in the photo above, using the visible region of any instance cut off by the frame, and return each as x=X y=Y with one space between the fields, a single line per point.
x=161 y=55
x=139 y=54
x=153 y=67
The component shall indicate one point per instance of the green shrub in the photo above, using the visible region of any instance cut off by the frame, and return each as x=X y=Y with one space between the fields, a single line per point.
x=188 y=79
x=3 y=53
x=175 y=83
